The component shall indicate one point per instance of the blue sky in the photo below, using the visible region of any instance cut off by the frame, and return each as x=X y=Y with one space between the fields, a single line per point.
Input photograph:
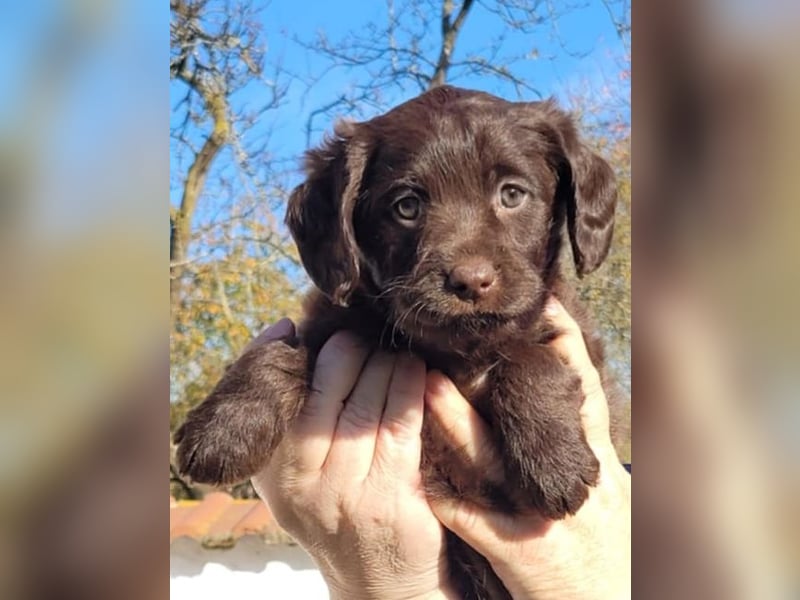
x=582 y=51
x=115 y=83
x=83 y=88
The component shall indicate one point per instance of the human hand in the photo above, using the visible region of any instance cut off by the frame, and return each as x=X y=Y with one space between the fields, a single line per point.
x=584 y=556
x=345 y=481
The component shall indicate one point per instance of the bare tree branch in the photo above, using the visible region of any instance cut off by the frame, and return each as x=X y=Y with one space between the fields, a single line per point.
x=406 y=55
x=619 y=11
x=450 y=31
x=214 y=59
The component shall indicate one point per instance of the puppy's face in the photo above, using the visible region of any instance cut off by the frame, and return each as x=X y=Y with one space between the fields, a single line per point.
x=449 y=209
x=455 y=226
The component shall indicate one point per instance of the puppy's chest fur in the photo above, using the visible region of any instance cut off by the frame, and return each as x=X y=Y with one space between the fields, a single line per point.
x=474 y=364
x=480 y=366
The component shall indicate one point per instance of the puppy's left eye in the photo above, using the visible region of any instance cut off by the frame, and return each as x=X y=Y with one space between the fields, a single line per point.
x=407 y=208
x=512 y=196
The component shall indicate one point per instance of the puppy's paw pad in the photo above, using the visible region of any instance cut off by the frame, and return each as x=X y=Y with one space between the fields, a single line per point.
x=565 y=491
x=208 y=453
x=229 y=436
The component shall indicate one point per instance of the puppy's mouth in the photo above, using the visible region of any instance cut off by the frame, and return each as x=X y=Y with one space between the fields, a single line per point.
x=423 y=310
x=475 y=321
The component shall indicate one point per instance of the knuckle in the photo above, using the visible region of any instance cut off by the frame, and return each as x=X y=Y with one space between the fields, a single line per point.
x=398 y=430
x=382 y=484
x=405 y=387
x=312 y=408
x=591 y=384
x=453 y=423
x=358 y=416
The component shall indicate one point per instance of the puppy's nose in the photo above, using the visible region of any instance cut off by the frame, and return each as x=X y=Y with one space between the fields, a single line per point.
x=472 y=278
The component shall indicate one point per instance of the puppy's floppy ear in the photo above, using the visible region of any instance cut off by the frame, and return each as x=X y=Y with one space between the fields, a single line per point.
x=588 y=187
x=320 y=213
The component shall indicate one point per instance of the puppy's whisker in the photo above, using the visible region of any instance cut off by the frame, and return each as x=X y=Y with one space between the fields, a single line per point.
x=399 y=323
x=396 y=326
x=419 y=310
x=395 y=286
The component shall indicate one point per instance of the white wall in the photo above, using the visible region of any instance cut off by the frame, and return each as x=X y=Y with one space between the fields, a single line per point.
x=251 y=569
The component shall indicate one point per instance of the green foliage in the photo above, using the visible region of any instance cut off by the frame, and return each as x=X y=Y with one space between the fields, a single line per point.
x=226 y=302
x=608 y=290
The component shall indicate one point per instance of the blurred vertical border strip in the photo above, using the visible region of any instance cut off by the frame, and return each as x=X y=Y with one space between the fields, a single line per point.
x=84 y=168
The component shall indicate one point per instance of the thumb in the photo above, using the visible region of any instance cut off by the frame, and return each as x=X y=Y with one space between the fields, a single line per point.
x=282 y=329
x=571 y=345
x=486 y=530
x=470 y=522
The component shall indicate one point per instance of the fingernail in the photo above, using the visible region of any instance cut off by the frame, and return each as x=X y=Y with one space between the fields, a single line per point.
x=281 y=329
x=552 y=308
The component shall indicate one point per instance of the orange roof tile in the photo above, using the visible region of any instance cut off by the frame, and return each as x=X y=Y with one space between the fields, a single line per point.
x=253 y=521
x=219 y=520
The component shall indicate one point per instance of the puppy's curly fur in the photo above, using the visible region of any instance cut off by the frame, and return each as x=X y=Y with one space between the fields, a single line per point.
x=436 y=228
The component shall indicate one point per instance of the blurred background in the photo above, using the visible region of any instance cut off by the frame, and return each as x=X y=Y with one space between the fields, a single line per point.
x=84 y=166
x=253 y=85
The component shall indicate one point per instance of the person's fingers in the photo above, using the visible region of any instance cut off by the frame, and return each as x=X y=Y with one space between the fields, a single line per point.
x=398 y=447
x=337 y=369
x=572 y=348
x=277 y=331
x=461 y=425
x=353 y=446
x=487 y=531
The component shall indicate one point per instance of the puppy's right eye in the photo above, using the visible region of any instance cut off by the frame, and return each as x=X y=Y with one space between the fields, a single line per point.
x=407 y=208
x=512 y=196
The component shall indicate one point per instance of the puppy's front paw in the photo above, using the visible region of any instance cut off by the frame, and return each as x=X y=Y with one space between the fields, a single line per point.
x=563 y=485
x=551 y=469
x=231 y=435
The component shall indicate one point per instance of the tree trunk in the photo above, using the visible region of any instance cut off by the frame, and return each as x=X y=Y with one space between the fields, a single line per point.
x=450 y=31
x=180 y=220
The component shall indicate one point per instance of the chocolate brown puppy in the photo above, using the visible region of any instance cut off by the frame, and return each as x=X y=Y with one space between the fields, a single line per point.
x=436 y=228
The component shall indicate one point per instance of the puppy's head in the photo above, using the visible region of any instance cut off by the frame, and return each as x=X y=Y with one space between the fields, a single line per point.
x=449 y=209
